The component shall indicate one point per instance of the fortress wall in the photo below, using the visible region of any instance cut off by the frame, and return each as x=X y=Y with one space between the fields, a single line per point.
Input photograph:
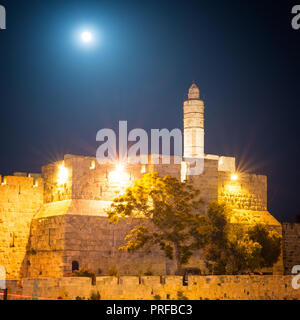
x=291 y=245
x=166 y=169
x=69 y=230
x=93 y=242
x=249 y=192
x=95 y=184
x=166 y=288
x=45 y=250
x=53 y=191
x=89 y=180
x=207 y=182
x=20 y=200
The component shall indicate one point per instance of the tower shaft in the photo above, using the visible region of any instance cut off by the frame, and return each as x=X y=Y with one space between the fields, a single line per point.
x=193 y=123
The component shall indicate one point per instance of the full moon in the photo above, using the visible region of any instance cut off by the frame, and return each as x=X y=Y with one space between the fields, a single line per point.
x=86 y=36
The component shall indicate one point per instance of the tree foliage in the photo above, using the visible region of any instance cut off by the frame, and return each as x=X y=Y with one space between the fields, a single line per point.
x=172 y=207
x=232 y=248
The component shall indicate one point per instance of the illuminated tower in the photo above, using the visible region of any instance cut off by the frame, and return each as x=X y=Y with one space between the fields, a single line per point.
x=193 y=124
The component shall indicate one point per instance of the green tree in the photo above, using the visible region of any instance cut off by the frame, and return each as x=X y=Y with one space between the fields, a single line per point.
x=270 y=242
x=171 y=207
x=233 y=248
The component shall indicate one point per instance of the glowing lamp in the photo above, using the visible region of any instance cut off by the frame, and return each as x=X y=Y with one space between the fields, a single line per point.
x=93 y=165
x=234 y=177
x=119 y=176
x=63 y=174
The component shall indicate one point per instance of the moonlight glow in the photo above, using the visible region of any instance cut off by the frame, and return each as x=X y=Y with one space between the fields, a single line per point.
x=86 y=36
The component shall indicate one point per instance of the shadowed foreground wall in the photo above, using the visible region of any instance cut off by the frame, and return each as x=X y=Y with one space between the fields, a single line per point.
x=242 y=287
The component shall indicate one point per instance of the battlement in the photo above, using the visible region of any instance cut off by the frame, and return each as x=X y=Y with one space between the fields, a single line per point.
x=33 y=180
x=18 y=191
x=89 y=180
x=240 y=287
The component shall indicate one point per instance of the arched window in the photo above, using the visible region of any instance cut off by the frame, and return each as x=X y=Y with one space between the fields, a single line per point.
x=75 y=266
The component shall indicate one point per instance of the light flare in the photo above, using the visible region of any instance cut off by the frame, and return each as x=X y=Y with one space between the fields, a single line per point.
x=63 y=174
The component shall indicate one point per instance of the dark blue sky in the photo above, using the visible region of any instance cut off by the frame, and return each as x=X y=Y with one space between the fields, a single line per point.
x=244 y=56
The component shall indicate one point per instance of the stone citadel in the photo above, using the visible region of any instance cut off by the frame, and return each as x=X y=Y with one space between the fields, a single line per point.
x=54 y=222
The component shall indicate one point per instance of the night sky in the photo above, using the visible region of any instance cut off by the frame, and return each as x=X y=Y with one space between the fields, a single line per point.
x=244 y=55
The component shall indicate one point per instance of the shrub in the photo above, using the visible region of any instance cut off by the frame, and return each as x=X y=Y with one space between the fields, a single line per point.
x=84 y=273
x=95 y=296
x=148 y=273
x=112 y=271
x=180 y=296
x=192 y=271
x=157 y=297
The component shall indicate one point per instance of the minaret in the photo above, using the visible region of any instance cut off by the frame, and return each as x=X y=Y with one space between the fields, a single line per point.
x=193 y=123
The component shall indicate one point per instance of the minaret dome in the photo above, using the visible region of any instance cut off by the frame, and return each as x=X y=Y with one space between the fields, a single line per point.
x=194 y=92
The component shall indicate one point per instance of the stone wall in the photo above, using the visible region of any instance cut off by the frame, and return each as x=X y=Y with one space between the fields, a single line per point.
x=207 y=182
x=291 y=246
x=20 y=199
x=249 y=192
x=45 y=249
x=90 y=180
x=165 y=288
x=93 y=242
x=74 y=217
x=53 y=191
x=71 y=224
x=89 y=239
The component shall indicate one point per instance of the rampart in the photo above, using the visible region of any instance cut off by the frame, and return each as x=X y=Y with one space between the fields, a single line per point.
x=20 y=199
x=154 y=287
